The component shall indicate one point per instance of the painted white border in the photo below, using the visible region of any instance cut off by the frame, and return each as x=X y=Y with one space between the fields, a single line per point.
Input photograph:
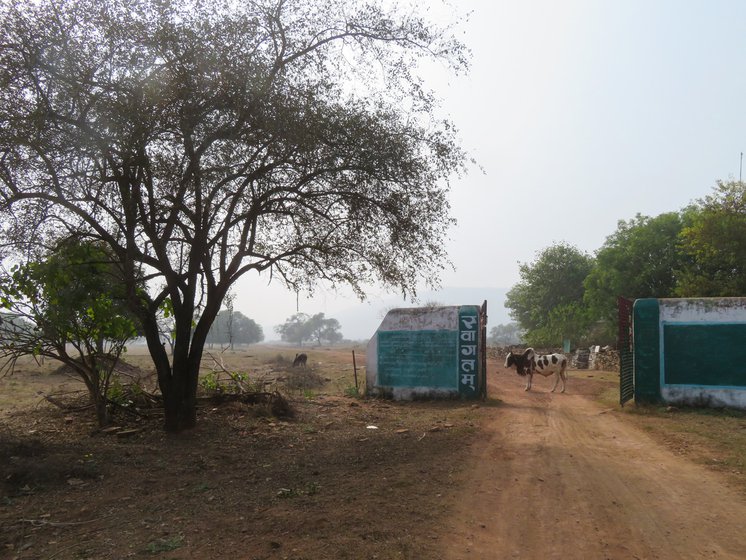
x=713 y=311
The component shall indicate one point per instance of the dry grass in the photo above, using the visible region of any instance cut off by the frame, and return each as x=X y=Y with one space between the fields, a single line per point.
x=245 y=481
x=324 y=484
x=712 y=437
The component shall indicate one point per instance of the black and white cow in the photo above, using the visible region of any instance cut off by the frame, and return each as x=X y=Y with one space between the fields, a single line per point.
x=530 y=362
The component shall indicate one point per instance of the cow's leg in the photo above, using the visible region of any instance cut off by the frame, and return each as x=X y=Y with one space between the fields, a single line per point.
x=563 y=373
x=528 y=382
x=556 y=380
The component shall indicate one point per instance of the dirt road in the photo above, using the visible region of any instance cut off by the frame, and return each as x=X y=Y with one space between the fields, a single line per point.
x=557 y=476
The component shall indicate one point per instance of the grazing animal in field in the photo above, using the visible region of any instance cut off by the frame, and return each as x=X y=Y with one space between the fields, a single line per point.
x=529 y=363
x=300 y=360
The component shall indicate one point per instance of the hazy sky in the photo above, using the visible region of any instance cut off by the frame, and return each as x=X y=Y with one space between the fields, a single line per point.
x=581 y=113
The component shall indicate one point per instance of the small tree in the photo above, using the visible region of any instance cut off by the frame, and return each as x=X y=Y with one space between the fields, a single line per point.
x=68 y=307
x=322 y=329
x=295 y=330
x=714 y=239
x=506 y=335
x=301 y=327
x=548 y=301
x=233 y=327
x=642 y=258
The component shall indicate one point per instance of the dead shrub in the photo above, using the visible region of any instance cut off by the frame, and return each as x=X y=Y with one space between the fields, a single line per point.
x=303 y=380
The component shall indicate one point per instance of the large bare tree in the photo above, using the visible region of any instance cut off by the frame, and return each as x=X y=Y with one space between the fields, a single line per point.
x=200 y=140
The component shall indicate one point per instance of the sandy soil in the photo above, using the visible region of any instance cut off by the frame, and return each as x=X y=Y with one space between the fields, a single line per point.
x=557 y=476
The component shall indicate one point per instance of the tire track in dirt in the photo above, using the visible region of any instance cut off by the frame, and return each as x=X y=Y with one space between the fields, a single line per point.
x=559 y=477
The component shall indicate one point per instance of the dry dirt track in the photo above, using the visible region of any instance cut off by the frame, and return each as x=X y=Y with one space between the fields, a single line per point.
x=557 y=476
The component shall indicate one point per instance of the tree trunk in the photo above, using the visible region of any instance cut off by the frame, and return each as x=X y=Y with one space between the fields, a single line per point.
x=180 y=392
x=96 y=394
x=102 y=411
x=178 y=377
x=180 y=406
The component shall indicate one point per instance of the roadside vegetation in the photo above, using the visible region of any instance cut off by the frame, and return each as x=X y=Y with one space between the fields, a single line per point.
x=715 y=438
x=712 y=437
x=699 y=251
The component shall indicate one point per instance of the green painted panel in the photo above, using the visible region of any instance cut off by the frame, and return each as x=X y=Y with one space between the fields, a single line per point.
x=418 y=359
x=646 y=333
x=704 y=354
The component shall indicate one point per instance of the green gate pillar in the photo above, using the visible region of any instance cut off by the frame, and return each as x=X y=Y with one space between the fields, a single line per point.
x=647 y=347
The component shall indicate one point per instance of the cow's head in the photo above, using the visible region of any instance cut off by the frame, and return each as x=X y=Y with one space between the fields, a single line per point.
x=520 y=361
x=523 y=362
x=509 y=359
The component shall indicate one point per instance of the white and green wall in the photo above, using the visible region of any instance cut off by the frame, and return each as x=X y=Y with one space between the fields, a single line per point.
x=690 y=351
x=427 y=353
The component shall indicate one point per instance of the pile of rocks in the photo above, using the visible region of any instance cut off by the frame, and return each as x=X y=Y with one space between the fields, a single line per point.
x=607 y=360
x=580 y=359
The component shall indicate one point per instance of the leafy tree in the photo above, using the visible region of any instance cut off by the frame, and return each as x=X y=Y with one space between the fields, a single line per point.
x=715 y=240
x=296 y=330
x=505 y=335
x=547 y=302
x=202 y=140
x=640 y=259
x=69 y=307
x=571 y=321
x=324 y=330
x=302 y=327
x=247 y=331
x=233 y=327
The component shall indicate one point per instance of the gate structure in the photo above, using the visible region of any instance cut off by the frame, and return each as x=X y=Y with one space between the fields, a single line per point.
x=432 y=352
x=690 y=351
x=626 y=351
